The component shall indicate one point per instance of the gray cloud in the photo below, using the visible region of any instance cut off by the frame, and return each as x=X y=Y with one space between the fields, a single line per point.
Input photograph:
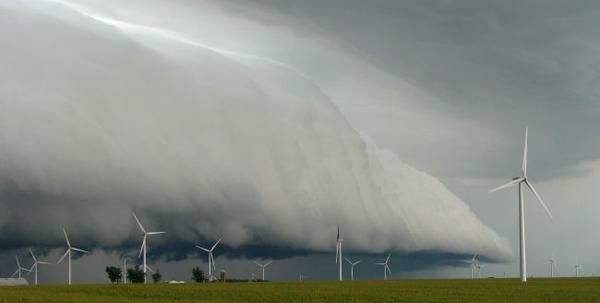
x=99 y=118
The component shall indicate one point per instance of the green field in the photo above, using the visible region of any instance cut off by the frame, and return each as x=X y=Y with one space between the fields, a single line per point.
x=487 y=290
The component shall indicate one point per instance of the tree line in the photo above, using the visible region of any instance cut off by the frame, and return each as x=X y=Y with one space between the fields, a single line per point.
x=136 y=275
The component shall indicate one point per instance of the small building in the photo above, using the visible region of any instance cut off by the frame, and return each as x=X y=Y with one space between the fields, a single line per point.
x=222 y=276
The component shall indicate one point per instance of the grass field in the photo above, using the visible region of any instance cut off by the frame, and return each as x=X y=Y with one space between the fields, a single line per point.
x=499 y=290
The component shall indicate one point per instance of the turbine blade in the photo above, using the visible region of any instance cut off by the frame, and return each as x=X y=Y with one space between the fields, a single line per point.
x=337 y=252
x=142 y=247
x=388 y=258
x=260 y=265
x=204 y=249
x=63 y=257
x=80 y=250
x=524 y=167
x=509 y=184
x=29 y=271
x=212 y=258
x=43 y=262
x=268 y=263
x=347 y=260
x=155 y=233
x=149 y=269
x=379 y=263
x=138 y=222
x=538 y=197
x=388 y=269
x=15 y=273
x=213 y=247
x=357 y=262
x=474 y=258
x=66 y=237
x=32 y=255
x=18 y=263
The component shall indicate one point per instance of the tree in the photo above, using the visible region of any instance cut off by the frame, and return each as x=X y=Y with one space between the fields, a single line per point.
x=156 y=277
x=114 y=274
x=135 y=275
x=197 y=274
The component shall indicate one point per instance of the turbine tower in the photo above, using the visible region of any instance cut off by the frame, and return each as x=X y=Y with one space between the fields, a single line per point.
x=523 y=180
x=338 y=253
x=124 y=272
x=19 y=270
x=68 y=253
x=352 y=264
x=35 y=265
x=211 y=259
x=386 y=267
x=262 y=266
x=144 y=242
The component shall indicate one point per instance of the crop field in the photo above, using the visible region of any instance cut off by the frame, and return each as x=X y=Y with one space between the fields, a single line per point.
x=488 y=290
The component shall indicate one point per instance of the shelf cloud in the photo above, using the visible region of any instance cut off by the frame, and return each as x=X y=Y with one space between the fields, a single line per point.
x=101 y=116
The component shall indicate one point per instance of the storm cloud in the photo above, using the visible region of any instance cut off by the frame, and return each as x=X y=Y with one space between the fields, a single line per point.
x=103 y=112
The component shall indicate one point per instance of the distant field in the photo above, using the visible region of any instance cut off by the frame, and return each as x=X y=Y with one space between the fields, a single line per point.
x=499 y=290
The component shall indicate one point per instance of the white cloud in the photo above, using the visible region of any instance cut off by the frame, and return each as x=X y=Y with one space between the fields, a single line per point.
x=98 y=118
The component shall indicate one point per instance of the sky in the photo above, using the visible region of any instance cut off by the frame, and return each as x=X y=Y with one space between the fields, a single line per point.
x=270 y=123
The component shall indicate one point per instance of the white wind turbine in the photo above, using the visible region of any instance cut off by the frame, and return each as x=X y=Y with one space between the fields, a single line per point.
x=262 y=266
x=386 y=267
x=578 y=267
x=68 y=253
x=479 y=267
x=552 y=263
x=35 y=265
x=211 y=259
x=144 y=242
x=19 y=270
x=473 y=263
x=338 y=253
x=352 y=264
x=520 y=181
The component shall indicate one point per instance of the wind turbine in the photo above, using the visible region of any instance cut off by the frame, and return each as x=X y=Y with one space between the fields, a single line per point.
x=520 y=181
x=338 y=253
x=19 y=269
x=578 y=268
x=211 y=259
x=144 y=242
x=386 y=267
x=473 y=263
x=352 y=264
x=36 y=262
x=263 y=267
x=479 y=267
x=552 y=263
x=68 y=252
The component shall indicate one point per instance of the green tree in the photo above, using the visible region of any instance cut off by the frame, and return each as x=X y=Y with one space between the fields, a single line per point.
x=114 y=274
x=135 y=275
x=197 y=274
x=156 y=277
